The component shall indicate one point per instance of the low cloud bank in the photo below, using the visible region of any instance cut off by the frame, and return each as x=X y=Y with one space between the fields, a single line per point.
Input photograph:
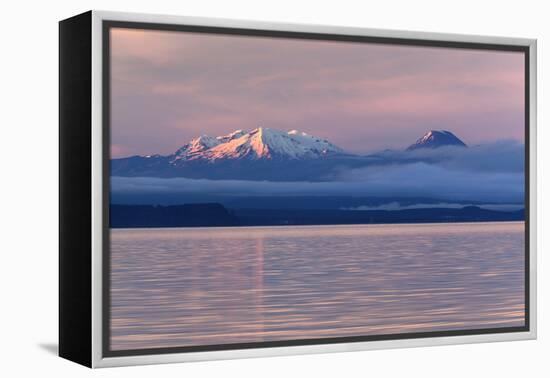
x=412 y=180
x=444 y=205
x=492 y=173
x=501 y=156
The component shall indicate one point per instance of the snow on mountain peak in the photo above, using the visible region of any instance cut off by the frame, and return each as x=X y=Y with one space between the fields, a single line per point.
x=205 y=141
x=296 y=132
x=260 y=143
x=234 y=135
x=437 y=138
x=195 y=147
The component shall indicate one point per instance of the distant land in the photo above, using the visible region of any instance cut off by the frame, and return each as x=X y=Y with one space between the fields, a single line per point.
x=270 y=154
x=193 y=215
x=216 y=215
x=436 y=139
x=272 y=177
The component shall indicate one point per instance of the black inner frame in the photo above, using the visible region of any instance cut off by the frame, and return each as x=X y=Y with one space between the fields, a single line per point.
x=106 y=118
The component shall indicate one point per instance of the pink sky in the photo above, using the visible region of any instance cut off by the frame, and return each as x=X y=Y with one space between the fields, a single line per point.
x=168 y=87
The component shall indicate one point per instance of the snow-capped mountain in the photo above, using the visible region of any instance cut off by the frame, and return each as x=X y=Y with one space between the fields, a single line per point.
x=234 y=135
x=435 y=139
x=260 y=143
x=269 y=154
x=196 y=147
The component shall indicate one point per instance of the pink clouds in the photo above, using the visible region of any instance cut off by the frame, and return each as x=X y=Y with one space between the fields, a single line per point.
x=168 y=87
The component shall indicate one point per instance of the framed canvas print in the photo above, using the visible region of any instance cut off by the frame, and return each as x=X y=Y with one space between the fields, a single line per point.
x=234 y=189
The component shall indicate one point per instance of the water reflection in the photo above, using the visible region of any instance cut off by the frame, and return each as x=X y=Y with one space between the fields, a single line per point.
x=181 y=287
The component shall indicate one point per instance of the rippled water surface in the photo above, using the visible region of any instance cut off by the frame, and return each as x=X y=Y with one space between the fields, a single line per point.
x=184 y=287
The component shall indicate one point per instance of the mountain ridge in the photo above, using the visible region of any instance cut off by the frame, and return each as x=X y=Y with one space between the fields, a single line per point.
x=268 y=154
x=217 y=215
x=259 y=143
x=436 y=139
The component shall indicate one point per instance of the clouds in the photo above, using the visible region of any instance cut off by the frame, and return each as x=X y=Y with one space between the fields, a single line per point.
x=500 y=156
x=490 y=173
x=435 y=181
x=446 y=205
x=169 y=87
x=411 y=180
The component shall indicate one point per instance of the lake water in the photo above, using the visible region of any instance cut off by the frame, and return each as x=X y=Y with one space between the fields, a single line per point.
x=190 y=286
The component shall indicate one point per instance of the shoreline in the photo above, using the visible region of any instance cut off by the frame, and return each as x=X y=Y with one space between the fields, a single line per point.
x=319 y=225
